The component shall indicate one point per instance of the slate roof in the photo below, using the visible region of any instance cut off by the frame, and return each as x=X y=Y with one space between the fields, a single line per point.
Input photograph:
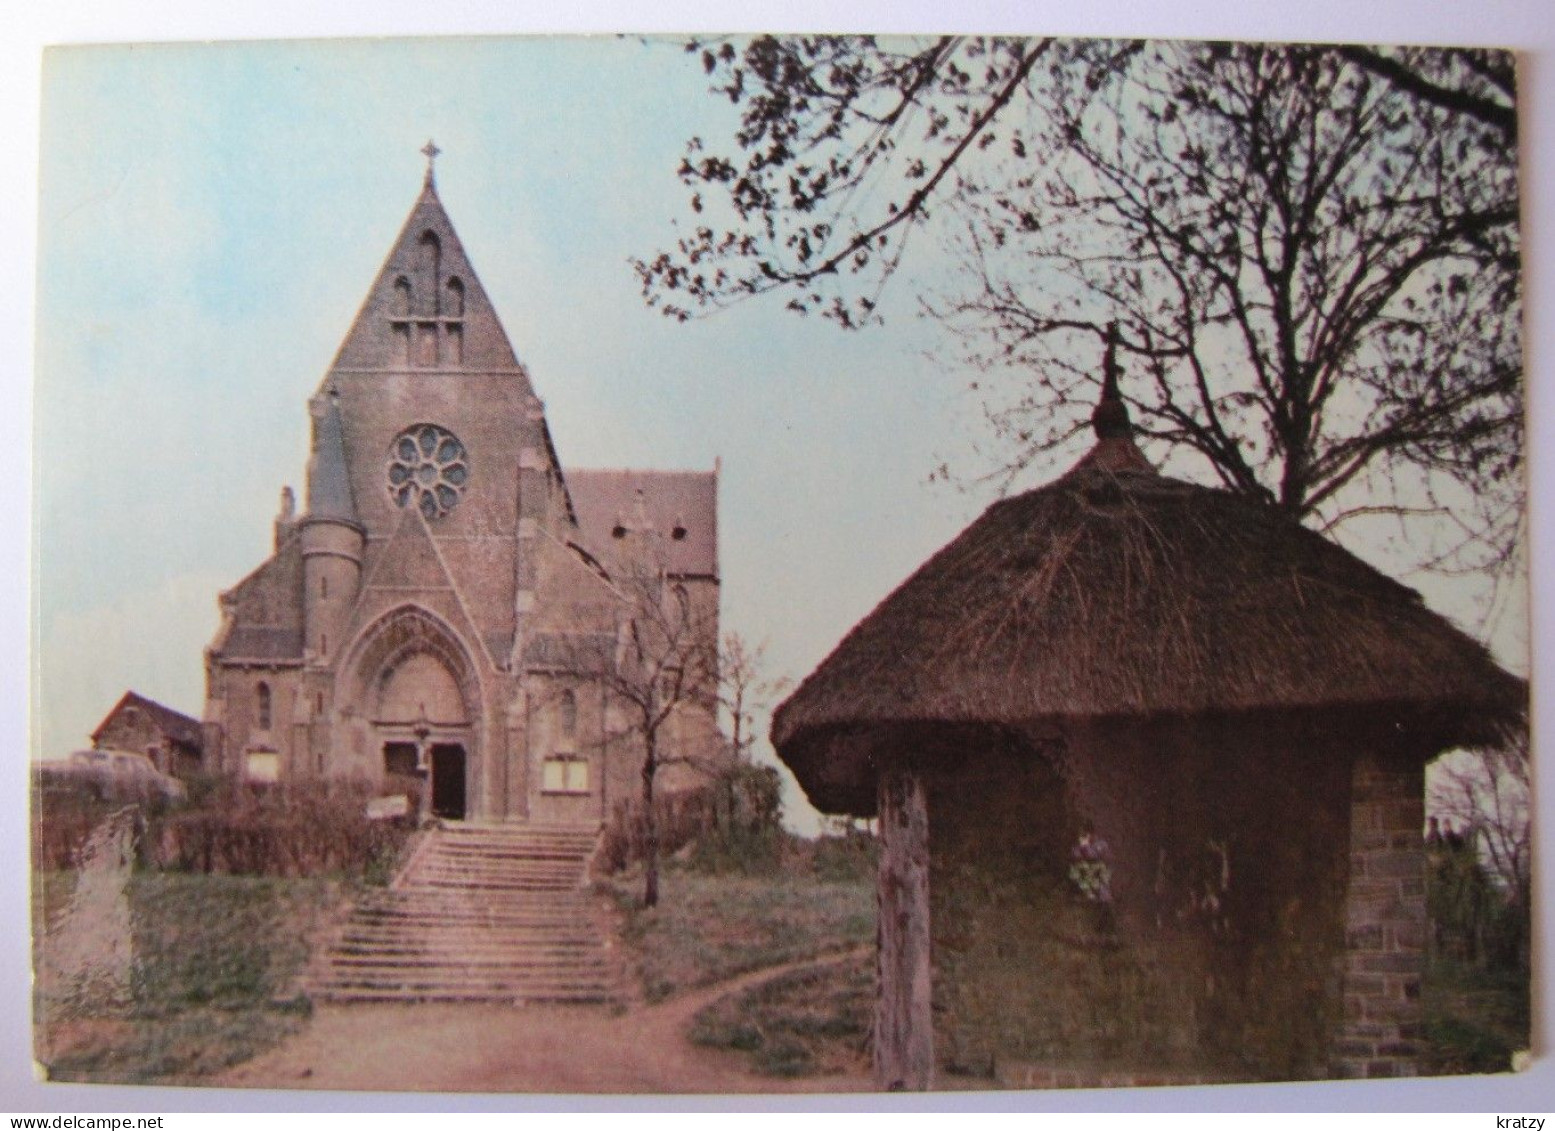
x=329 y=486
x=262 y=642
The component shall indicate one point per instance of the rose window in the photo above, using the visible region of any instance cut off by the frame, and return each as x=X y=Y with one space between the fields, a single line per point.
x=428 y=468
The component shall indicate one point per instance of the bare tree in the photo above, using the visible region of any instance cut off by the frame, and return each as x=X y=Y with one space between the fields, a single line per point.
x=1311 y=253
x=663 y=678
x=744 y=689
x=1486 y=796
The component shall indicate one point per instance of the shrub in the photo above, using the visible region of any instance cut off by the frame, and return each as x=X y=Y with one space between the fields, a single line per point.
x=281 y=830
x=681 y=817
x=731 y=824
x=851 y=854
x=746 y=834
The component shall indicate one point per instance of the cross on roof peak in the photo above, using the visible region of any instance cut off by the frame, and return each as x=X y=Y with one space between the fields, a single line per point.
x=431 y=150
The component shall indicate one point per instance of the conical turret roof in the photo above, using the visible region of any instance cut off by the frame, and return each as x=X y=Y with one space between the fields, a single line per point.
x=329 y=483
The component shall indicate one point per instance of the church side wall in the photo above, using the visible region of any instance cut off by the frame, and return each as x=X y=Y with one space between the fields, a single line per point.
x=244 y=731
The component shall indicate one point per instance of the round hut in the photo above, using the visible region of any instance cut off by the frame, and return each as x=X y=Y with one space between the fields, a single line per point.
x=1148 y=762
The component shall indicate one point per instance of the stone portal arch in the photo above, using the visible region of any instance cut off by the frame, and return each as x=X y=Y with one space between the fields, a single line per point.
x=419 y=699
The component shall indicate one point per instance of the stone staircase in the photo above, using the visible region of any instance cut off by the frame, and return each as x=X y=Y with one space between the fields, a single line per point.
x=490 y=913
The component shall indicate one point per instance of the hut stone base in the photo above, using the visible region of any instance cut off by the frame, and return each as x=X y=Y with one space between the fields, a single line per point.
x=1385 y=921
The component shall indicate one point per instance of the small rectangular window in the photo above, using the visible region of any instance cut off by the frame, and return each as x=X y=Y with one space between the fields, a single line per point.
x=262 y=766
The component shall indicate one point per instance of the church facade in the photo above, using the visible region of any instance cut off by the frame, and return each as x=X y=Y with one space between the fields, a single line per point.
x=450 y=606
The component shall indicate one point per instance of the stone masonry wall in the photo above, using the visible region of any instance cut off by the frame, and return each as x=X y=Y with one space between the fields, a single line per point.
x=1384 y=921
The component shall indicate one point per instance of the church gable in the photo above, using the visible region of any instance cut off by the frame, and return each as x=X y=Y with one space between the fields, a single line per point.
x=409 y=568
x=427 y=309
x=409 y=560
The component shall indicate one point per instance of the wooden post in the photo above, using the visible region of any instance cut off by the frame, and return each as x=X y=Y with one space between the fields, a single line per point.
x=904 y=1032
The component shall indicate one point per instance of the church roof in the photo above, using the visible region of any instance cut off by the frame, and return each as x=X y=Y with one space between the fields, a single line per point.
x=174 y=724
x=264 y=620
x=680 y=506
x=259 y=642
x=426 y=280
x=1116 y=592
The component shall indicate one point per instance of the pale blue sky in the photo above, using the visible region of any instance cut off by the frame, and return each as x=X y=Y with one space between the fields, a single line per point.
x=133 y=598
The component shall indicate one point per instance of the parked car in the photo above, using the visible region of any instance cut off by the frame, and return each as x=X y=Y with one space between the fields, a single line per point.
x=108 y=775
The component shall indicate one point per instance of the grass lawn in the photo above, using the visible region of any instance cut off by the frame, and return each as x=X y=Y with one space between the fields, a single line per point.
x=808 y=1021
x=711 y=927
x=214 y=958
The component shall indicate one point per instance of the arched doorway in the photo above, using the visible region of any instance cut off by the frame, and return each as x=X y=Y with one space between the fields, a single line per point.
x=448 y=785
x=421 y=701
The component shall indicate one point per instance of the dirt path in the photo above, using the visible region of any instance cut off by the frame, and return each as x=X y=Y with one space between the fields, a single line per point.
x=493 y=1048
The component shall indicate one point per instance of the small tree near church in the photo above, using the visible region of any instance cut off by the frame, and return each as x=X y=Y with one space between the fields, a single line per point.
x=664 y=676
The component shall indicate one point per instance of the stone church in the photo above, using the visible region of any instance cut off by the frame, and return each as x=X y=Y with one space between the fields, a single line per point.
x=452 y=607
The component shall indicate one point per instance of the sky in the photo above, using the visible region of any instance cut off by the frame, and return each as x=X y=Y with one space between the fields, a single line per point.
x=208 y=218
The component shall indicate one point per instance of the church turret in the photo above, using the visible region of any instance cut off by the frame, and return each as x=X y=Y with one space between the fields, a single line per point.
x=332 y=536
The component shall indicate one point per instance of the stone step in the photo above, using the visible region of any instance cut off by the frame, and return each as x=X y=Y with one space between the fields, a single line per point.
x=431 y=893
x=343 y=965
x=465 y=882
x=454 y=948
x=439 y=870
x=492 y=917
x=357 y=935
x=400 y=976
x=489 y=917
x=579 y=846
x=467 y=933
x=485 y=989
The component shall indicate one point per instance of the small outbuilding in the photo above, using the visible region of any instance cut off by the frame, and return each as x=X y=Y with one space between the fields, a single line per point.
x=171 y=739
x=1148 y=763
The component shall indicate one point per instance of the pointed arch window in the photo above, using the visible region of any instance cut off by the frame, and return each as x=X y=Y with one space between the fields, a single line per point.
x=430 y=250
x=453 y=306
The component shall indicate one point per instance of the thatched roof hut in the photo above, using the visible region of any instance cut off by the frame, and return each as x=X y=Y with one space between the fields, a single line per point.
x=1116 y=601
x=1116 y=591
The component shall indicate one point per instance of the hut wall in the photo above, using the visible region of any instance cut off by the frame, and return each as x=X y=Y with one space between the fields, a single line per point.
x=1215 y=955
x=1029 y=974
x=1385 y=921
